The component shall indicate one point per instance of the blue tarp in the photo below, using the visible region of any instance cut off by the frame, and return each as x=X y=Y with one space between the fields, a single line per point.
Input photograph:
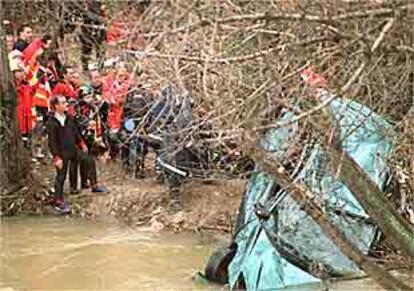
x=366 y=137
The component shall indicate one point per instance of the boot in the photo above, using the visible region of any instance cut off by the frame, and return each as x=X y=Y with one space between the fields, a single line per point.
x=175 y=203
x=139 y=174
x=61 y=206
x=139 y=171
x=160 y=178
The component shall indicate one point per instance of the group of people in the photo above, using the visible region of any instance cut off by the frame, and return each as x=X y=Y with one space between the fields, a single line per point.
x=77 y=119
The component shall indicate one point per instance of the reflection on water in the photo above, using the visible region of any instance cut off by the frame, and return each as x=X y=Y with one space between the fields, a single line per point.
x=58 y=253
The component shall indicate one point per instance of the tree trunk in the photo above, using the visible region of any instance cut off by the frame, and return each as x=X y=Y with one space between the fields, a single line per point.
x=299 y=194
x=12 y=169
x=392 y=224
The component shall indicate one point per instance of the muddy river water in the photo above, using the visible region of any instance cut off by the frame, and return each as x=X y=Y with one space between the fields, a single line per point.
x=57 y=253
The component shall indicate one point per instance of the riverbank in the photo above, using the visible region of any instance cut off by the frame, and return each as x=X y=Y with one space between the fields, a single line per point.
x=144 y=202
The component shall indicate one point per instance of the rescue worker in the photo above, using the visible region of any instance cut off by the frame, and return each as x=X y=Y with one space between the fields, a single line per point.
x=123 y=30
x=25 y=117
x=133 y=133
x=54 y=69
x=115 y=90
x=25 y=33
x=95 y=89
x=38 y=79
x=36 y=48
x=89 y=124
x=69 y=87
x=88 y=118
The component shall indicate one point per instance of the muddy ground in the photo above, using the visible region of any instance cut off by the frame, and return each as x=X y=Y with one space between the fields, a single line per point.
x=144 y=202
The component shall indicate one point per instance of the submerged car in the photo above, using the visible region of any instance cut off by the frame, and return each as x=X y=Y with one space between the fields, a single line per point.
x=276 y=244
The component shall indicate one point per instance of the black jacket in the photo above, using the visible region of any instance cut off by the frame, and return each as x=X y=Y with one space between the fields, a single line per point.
x=20 y=45
x=63 y=140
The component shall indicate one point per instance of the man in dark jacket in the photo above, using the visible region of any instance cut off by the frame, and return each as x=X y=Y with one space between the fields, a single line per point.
x=64 y=143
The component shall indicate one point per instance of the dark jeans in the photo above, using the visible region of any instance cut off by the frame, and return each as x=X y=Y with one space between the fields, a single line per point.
x=133 y=153
x=38 y=137
x=113 y=142
x=87 y=166
x=71 y=164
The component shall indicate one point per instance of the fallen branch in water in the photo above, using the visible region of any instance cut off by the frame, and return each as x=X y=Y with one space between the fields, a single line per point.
x=213 y=227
